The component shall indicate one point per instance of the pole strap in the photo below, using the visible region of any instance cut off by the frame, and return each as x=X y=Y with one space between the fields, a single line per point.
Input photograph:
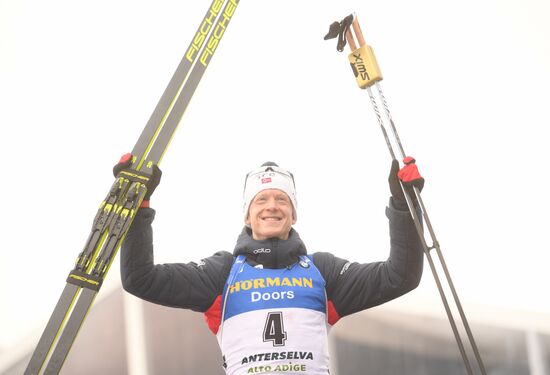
x=339 y=30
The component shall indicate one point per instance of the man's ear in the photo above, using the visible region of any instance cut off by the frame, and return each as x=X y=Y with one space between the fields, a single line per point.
x=247 y=220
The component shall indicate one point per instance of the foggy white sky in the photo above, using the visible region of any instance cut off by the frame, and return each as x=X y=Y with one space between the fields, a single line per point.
x=466 y=82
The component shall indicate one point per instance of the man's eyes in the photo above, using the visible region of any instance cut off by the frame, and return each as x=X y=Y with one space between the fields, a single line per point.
x=281 y=198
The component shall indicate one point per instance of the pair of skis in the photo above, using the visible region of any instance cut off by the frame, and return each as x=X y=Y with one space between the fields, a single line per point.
x=367 y=74
x=118 y=209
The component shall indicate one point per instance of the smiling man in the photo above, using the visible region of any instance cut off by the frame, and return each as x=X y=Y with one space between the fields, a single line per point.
x=271 y=215
x=269 y=202
x=270 y=303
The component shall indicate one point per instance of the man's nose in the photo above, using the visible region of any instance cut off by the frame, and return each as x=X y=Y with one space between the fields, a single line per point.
x=271 y=203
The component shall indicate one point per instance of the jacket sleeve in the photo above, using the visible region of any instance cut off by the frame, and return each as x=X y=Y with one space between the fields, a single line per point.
x=185 y=285
x=353 y=287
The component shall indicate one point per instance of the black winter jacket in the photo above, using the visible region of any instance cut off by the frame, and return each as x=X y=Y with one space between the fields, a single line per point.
x=351 y=287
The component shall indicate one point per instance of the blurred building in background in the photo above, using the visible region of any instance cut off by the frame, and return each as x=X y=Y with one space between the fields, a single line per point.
x=123 y=335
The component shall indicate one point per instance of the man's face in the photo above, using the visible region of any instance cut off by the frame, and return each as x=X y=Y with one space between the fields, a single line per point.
x=270 y=215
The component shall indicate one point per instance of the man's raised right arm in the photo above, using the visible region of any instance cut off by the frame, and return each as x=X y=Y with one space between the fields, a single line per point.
x=184 y=285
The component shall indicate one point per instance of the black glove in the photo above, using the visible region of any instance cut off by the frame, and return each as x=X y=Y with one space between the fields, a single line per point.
x=126 y=161
x=409 y=176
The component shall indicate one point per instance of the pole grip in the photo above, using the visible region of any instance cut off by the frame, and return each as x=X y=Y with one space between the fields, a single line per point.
x=362 y=60
x=351 y=41
x=358 y=32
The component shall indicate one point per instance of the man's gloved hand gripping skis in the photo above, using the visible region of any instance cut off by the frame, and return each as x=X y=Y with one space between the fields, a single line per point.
x=124 y=164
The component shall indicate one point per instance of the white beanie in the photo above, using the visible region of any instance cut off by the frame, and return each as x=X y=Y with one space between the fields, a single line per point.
x=268 y=176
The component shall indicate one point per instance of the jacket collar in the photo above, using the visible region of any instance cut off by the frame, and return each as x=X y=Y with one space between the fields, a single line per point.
x=271 y=253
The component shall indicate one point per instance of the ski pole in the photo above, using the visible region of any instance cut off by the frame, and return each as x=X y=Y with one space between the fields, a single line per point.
x=367 y=73
x=435 y=242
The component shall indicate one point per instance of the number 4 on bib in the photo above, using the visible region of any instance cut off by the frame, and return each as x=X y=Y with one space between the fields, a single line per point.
x=274 y=330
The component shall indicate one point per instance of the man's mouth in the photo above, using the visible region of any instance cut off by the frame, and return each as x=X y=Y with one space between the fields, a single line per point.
x=271 y=218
